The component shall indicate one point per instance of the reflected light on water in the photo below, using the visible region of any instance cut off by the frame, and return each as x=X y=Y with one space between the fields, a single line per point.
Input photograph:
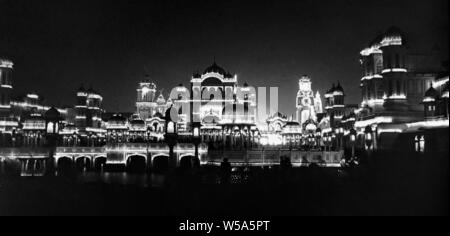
x=126 y=179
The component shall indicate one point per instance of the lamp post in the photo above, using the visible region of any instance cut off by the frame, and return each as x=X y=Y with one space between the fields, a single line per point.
x=196 y=139
x=171 y=136
x=149 y=130
x=368 y=138
x=353 y=141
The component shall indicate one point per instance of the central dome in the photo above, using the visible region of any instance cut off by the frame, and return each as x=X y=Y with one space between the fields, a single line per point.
x=214 y=68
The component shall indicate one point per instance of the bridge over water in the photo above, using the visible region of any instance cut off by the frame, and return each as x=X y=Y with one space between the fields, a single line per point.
x=35 y=161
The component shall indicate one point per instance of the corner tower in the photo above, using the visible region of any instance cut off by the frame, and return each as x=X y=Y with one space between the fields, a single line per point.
x=6 y=70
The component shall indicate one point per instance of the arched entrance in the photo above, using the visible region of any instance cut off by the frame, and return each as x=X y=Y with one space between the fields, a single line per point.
x=189 y=162
x=136 y=164
x=160 y=164
x=64 y=165
x=82 y=164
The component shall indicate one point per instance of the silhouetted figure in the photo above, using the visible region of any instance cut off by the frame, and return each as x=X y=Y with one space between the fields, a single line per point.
x=225 y=171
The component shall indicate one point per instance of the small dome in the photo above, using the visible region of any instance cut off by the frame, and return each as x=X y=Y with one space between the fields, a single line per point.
x=53 y=114
x=431 y=93
x=214 y=68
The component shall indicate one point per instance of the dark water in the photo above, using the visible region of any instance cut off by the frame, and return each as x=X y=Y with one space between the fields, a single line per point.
x=125 y=179
x=385 y=187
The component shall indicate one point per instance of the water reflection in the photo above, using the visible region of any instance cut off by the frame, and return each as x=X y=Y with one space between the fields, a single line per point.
x=123 y=178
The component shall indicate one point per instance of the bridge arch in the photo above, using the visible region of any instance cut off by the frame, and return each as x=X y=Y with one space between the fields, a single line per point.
x=160 y=163
x=64 y=164
x=83 y=163
x=189 y=161
x=136 y=163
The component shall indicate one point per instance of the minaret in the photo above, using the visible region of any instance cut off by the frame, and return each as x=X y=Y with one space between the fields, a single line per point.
x=146 y=99
x=305 y=100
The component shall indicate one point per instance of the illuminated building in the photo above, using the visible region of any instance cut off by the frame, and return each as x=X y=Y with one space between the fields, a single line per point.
x=220 y=99
x=395 y=77
x=292 y=134
x=88 y=114
x=8 y=125
x=338 y=113
x=6 y=69
x=308 y=105
x=276 y=123
x=146 y=102
x=32 y=103
x=226 y=111
x=88 y=109
x=435 y=100
x=117 y=129
x=34 y=128
x=335 y=104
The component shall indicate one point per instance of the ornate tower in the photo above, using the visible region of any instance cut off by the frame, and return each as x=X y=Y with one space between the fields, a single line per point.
x=81 y=108
x=318 y=103
x=146 y=104
x=305 y=101
x=335 y=104
x=6 y=69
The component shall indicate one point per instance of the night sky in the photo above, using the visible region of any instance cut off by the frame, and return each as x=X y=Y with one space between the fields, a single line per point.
x=111 y=45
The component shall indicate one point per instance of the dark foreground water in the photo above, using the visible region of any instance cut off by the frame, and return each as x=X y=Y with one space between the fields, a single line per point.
x=419 y=188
